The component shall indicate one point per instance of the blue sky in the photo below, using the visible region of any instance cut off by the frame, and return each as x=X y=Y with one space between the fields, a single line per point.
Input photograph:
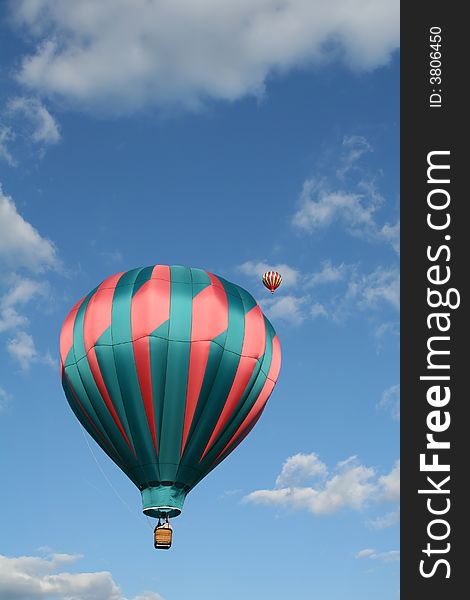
x=236 y=137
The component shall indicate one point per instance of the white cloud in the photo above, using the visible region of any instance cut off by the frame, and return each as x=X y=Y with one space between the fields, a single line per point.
x=21 y=347
x=352 y=202
x=390 y=484
x=391 y=401
x=390 y=234
x=21 y=245
x=388 y=520
x=228 y=493
x=389 y=556
x=11 y=319
x=4 y=398
x=349 y=485
x=6 y=136
x=123 y=56
x=320 y=207
x=328 y=274
x=253 y=268
x=300 y=467
x=286 y=308
x=386 y=328
x=318 y=310
x=372 y=289
x=333 y=291
x=112 y=256
x=23 y=350
x=356 y=146
x=42 y=127
x=23 y=290
x=365 y=553
x=34 y=577
x=289 y=308
x=354 y=291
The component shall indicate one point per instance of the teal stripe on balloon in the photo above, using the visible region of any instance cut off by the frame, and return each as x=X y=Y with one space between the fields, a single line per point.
x=83 y=378
x=73 y=381
x=200 y=280
x=224 y=375
x=128 y=382
x=158 y=341
x=78 y=337
x=93 y=428
x=144 y=275
x=101 y=410
x=243 y=408
x=176 y=372
x=270 y=335
x=105 y=358
x=195 y=445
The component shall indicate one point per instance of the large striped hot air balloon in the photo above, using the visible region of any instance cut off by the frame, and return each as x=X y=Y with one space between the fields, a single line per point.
x=168 y=369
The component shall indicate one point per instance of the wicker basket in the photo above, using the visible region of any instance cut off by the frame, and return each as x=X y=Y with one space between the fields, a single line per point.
x=162 y=537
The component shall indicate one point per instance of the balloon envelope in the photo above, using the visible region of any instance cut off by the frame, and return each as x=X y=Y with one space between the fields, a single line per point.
x=168 y=369
x=272 y=280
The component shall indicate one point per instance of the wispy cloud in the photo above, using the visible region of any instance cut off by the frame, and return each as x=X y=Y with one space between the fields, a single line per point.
x=349 y=485
x=350 y=199
x=354 y=147
x=21 y=245
x=26 y=125
x=20 y=292
x=290 y=308
x=299 y=468
x=112 y=256
x=257 y=268
x=372 y=289
x=6 y=137
x=333 y=292
x=390 y=401
x=4 y=398
x=40 y=124
x=390 y=484
x=328 y=274
x=23 y=350
x=22 y=248
x=37 y=577
x=388 y=556
x=384 y=521
x=320 y=207
x=107 y=56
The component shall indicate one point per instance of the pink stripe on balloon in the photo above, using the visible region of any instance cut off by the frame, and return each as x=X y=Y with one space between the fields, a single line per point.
x=77 y=399
x=66 y=334
x=209 y=320
x=98 y=311
x=161 y=272
x=262 y=399
x=142 y=362
x=98 y=377
x=254 y=344
x=150 y=308
x=151 y=304
x=97 y=320
x=239 y=440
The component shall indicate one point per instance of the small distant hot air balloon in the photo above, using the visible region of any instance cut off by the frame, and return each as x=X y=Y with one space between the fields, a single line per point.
x=272 y=280
x=168 y=369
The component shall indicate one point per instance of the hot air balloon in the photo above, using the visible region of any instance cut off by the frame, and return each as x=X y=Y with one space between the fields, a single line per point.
x=168 y=369
x=272 y=280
